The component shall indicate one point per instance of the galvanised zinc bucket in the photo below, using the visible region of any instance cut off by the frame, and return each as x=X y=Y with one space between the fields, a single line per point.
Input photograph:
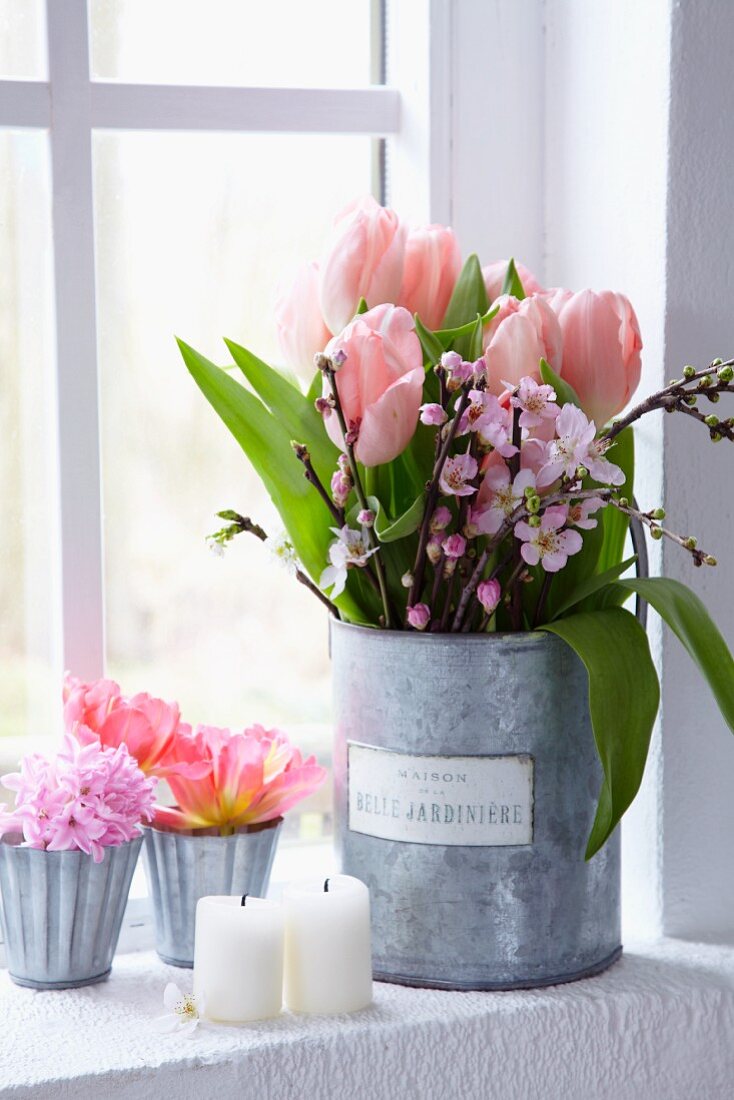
x=466 y=781
x=62 y=912
x=183 y=867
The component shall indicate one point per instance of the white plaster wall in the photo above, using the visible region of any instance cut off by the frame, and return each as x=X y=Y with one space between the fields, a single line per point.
x=607 y=71
x=698 y=761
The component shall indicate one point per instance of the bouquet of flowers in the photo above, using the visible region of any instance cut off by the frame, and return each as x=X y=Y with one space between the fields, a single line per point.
x=459 y=463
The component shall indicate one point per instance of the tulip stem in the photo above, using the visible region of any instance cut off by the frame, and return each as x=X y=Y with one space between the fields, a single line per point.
x=382 y=584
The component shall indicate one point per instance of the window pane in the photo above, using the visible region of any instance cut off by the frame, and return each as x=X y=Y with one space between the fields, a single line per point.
x=194 y=232
x=23 y=39
x=29 y=677
x=307 y=43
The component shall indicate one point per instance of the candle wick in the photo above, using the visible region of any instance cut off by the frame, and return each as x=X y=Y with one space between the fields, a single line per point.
x=326 y=886
x=244 y=898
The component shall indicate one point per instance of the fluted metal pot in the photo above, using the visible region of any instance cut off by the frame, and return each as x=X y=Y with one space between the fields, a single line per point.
x=62 y=912
x=466 y=781
x=183 y=867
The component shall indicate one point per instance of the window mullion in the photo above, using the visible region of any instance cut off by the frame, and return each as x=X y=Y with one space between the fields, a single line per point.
x=76 y=339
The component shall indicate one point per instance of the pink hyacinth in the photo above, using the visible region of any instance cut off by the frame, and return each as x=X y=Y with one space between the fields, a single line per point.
x=88 y=798
x=252 y=776
x=145 y=725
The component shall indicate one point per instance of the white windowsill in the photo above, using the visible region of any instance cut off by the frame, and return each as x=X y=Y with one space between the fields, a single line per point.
x=658 y=1025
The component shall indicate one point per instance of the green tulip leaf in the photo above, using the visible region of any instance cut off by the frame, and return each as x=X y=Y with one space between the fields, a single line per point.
x=624 y=695
x=469 y=296
x=565 y=394
x=512 y=283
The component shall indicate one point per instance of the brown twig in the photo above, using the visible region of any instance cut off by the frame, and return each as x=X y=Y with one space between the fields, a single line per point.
x=302 y=454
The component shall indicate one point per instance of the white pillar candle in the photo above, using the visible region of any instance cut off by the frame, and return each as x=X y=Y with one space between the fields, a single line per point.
x=238 y=958
x=328 y=953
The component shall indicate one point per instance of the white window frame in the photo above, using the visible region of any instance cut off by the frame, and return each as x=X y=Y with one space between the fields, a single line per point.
x=478 y=104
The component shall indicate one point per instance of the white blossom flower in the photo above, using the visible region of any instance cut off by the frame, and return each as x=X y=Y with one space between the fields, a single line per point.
x=184 y=1010
x=281 y=548
x=350 y=548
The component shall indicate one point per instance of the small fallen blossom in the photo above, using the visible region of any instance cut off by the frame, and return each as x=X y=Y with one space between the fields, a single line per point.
x=457 y=476
x=537 y=402
x=419 y=616
x=350 y=548
x=548 y=543
x=433 y=415
x=183 y=1011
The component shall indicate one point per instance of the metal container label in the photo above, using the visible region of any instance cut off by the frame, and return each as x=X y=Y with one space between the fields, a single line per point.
x=477 y=801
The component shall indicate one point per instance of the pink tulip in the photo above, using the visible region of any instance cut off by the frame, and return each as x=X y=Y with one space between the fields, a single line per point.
x=517 y=338
x=148 y=727
x=601 y=349
x=380 y=383
x=494 y=277
x=300 y=325
x=432 y=265
x=365 y=261
x=252 y=776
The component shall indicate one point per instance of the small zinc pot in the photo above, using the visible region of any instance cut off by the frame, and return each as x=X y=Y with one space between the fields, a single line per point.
x=466 y=781
x=62 y=912
x=183 y=867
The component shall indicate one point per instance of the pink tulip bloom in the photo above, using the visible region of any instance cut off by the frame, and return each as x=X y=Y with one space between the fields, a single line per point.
x=146 y=726
x=601 y=349
x=252 y=776
x=517 y=338
x=494 y=277
x=380 y=384
x=365 y=261
x=432 y=265
x=299 y=323
x=548 y=544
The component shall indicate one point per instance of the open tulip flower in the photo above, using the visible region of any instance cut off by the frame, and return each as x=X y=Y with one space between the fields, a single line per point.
x=145 y=725
x=252 y=776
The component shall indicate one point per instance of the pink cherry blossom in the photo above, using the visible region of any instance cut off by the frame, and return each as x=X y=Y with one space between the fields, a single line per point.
x=457 y=476
x=576 y=446
x=579 y=514
x=488 y=594
x=341 y=486
x=419 y=616
x=537 y=402
x=517 y=338
x=498 y=499
x=454 y=546
x=548 y=543
x=457 y=369
x=434 y=549
x=490 y=420
x=440 y=519
x=433 y=415
x=252 y=775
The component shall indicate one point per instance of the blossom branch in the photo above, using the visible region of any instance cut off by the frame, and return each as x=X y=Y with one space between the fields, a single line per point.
x=328 y=368
x=302 y=454
x=432 y=497
x=657 y=531
x=239 y=524
x=680 y=396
